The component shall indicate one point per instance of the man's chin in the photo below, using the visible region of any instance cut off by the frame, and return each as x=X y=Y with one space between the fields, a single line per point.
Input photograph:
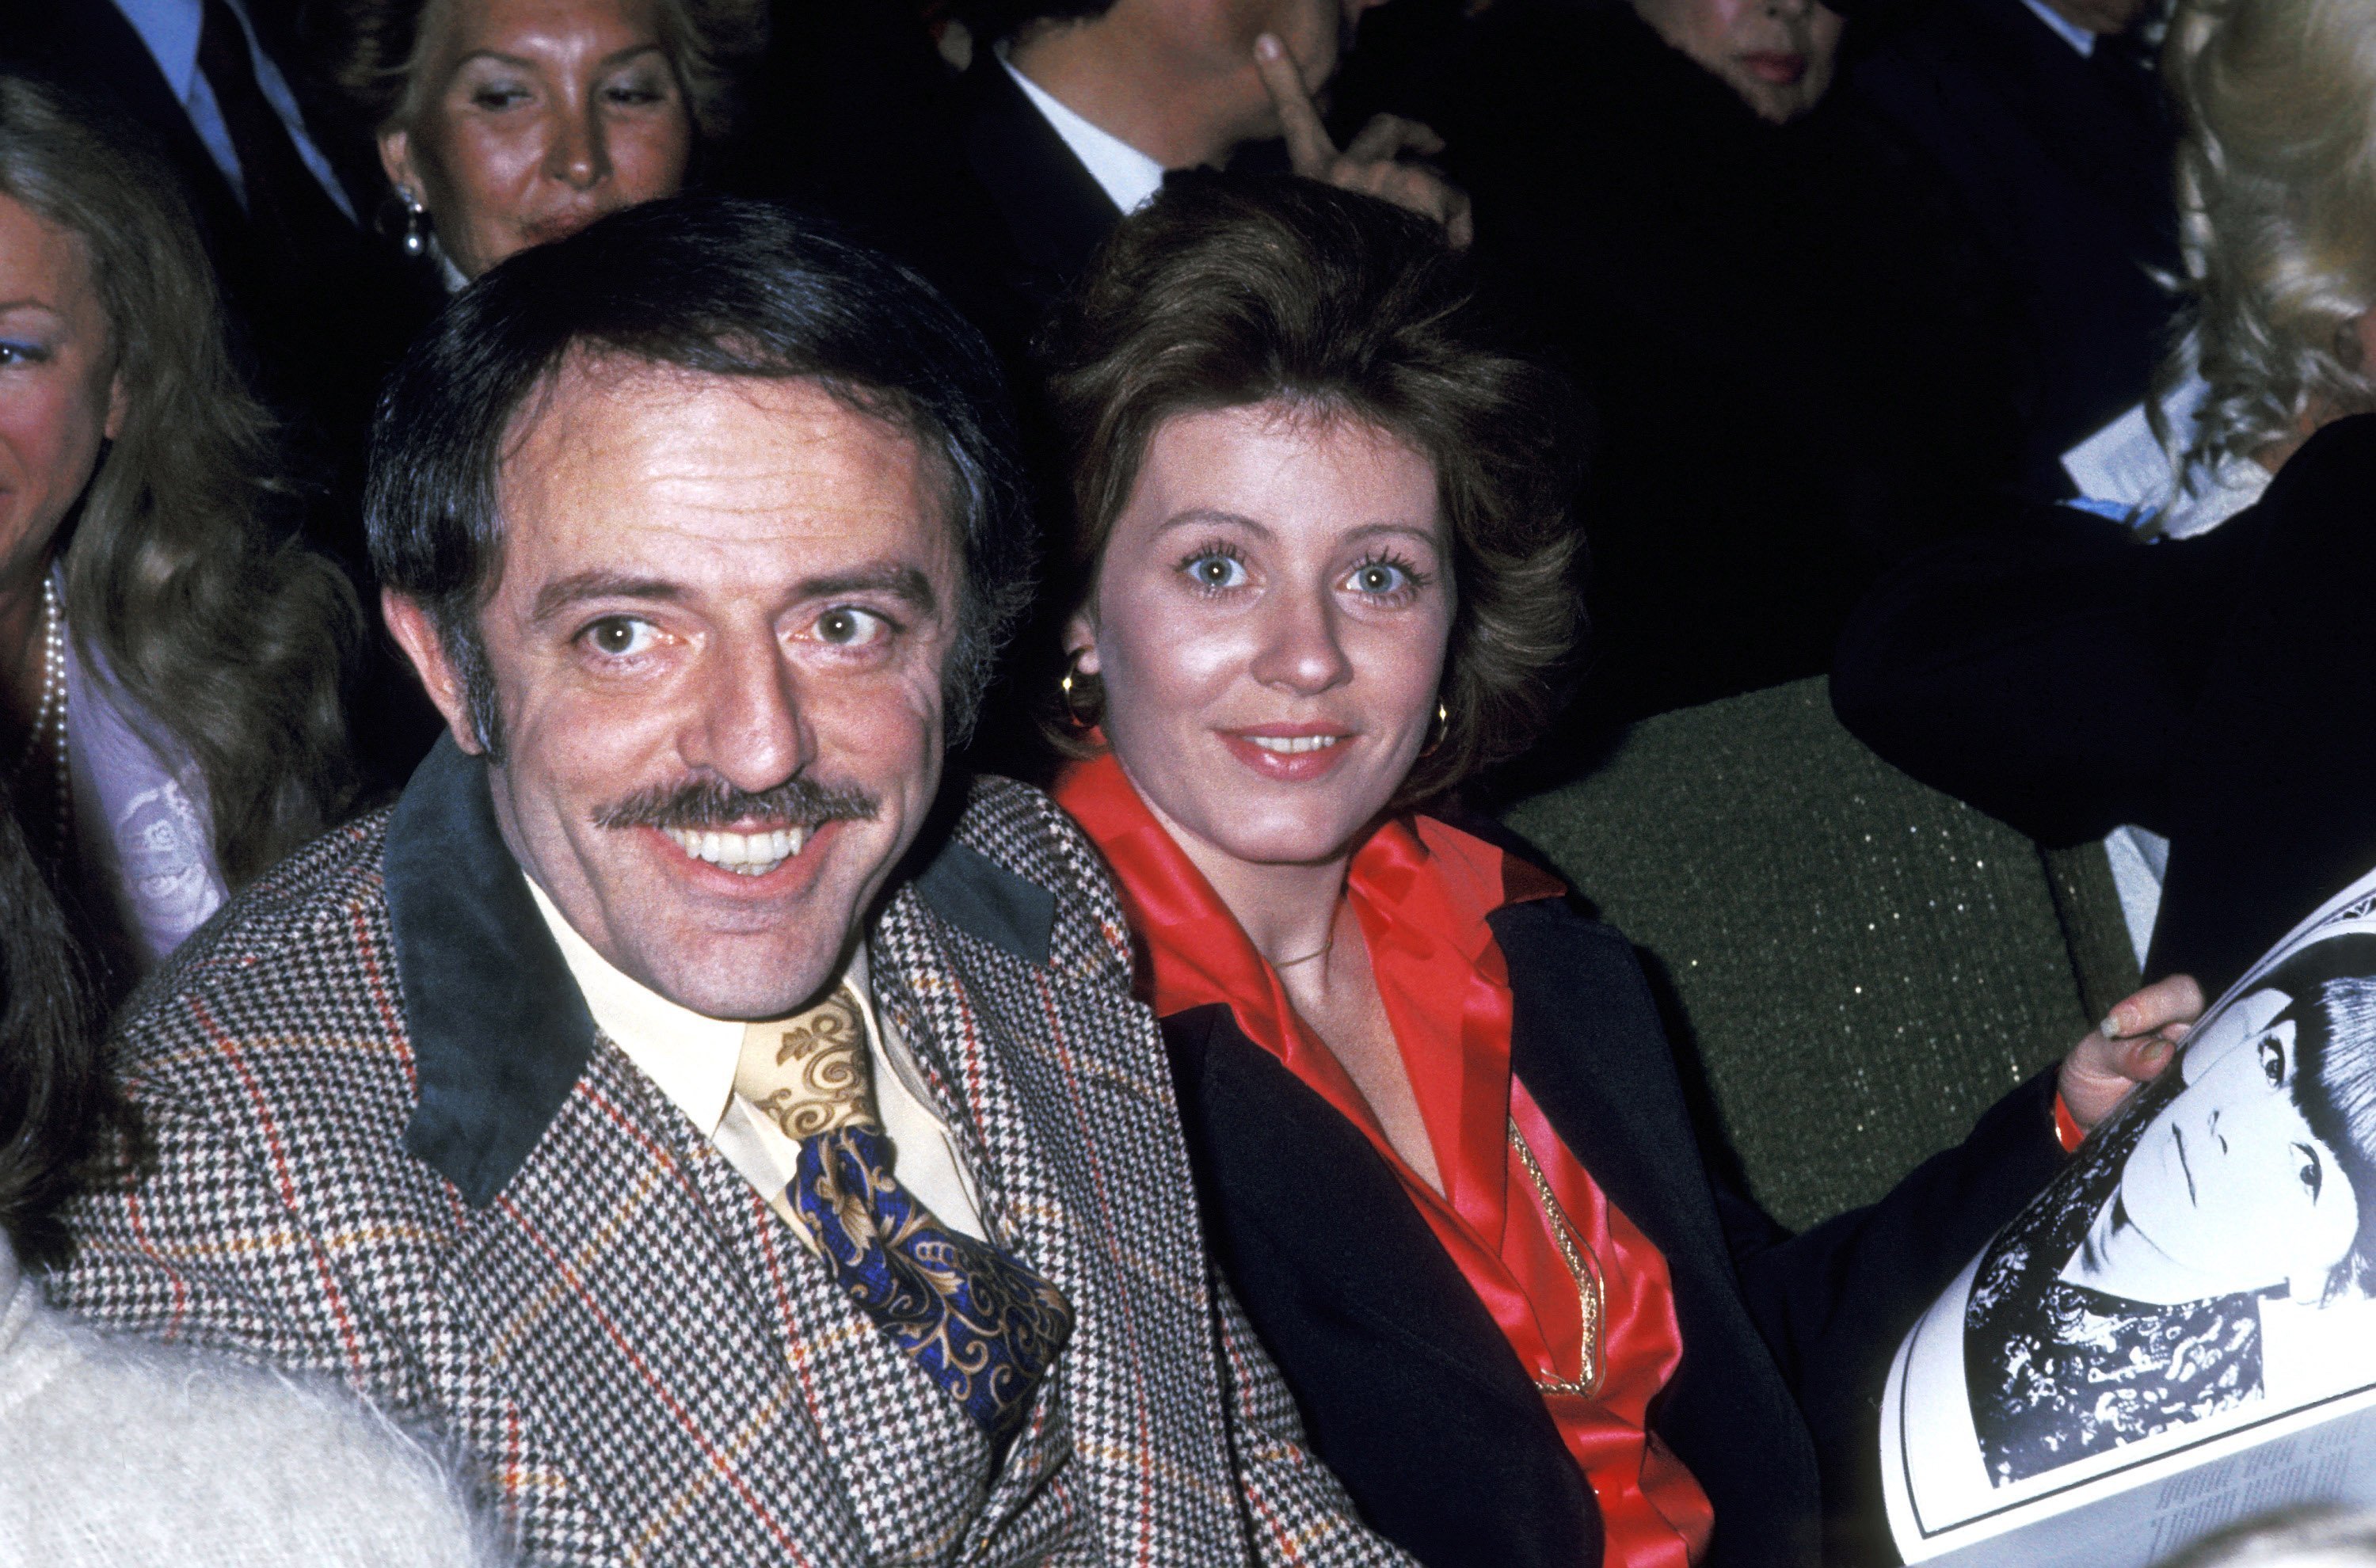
x=769 y=984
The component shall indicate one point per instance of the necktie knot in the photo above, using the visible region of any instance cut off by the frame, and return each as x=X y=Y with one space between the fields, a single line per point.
x=981 y=1324
x=811 y=1073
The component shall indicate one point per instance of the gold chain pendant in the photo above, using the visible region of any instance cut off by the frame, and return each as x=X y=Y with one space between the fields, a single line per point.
x=1583 y=1264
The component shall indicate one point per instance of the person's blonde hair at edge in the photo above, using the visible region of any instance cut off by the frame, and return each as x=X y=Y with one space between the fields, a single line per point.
x=2276 y=202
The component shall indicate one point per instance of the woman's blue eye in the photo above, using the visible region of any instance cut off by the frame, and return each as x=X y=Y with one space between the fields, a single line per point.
x=1216 y=571
x=1379 y=578
x=22 y=354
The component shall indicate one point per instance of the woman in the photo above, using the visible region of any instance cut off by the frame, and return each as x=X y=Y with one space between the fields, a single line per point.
x=1322 y=560
x=2213 y=690
x=503 y=124
x=172 y=662
x=2275 y=211
x=118 y=1454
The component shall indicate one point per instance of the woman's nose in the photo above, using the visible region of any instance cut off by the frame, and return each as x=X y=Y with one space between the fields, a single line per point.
x=1301 y=650
x=580 y=154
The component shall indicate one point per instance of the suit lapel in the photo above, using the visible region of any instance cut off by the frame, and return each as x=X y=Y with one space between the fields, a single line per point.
x=604 y=1293
x=1054 y=1080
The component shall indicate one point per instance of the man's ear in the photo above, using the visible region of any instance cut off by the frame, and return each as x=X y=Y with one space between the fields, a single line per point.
x=417 y=634
x=1081 y=642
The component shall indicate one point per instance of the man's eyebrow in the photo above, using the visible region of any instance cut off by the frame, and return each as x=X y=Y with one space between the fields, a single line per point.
x=562 y=593
x=896 y=579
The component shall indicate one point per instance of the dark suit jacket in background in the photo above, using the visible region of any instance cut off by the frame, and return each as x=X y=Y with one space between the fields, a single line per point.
x=2059 y=170
x=2220 y=689
x=1788 y=365
x=1407 y=1386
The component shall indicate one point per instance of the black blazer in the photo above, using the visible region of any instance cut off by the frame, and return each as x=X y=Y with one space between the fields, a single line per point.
x=2220 y=689
x=2059 y=168
x=1411 y=1393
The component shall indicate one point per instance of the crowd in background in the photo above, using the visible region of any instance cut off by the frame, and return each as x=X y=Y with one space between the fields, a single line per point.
x=2007 y=360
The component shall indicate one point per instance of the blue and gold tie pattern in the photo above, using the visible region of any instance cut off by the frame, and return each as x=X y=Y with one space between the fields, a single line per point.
x=979 y=1322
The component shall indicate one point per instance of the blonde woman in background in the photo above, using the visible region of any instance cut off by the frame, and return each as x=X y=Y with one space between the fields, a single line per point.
x=169 y=660
x=2215 y=688
x=2277 y=197
x=505 y=123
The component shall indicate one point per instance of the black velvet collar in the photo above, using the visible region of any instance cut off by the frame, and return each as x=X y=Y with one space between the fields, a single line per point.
x=499 y=1030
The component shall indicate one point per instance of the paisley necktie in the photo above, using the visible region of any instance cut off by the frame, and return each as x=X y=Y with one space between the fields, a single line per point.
x=978 y=1321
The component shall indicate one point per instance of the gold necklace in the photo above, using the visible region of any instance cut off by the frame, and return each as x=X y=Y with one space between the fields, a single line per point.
x=1590 y=1295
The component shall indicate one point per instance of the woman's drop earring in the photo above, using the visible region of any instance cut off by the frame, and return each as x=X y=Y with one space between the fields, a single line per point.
x=1437 y=732
x=1081 y=703
x=416 y=225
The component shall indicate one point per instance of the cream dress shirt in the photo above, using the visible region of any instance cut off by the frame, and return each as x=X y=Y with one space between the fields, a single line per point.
x=692 y=1057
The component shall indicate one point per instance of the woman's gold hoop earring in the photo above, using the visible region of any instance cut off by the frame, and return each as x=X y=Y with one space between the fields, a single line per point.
x=1080 y=705
x=1438 y=731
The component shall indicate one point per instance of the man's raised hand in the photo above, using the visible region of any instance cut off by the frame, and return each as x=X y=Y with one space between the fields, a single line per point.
x=1372 y=161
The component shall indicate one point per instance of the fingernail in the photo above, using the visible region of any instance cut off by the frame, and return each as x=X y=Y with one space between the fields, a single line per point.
x=1268 y=47
x=2110 y=1027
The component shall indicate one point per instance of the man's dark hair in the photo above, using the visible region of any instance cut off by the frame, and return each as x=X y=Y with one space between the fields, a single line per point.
x=990 y=20
x=711 y=284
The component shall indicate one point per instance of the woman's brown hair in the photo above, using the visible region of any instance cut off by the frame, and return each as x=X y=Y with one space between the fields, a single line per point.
x=1226 y=291
x=224 y=632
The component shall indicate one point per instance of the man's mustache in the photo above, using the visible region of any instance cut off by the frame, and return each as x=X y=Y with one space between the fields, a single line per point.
x=714 y=803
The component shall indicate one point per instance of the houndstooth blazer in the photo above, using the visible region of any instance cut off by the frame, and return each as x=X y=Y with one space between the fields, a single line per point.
x=388 y=1141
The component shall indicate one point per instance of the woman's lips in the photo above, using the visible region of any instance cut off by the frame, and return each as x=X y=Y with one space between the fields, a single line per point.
x=1782 y=70
x=1289 y=753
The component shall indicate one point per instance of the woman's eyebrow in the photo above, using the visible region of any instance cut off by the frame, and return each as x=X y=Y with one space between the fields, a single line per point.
x=1206 y=517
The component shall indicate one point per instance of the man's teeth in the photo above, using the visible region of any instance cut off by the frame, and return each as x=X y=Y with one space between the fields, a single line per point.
x=1289 y=745
x=750 y=854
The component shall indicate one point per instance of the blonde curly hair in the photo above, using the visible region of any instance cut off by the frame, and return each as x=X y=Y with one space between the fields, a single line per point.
x=2277 y=197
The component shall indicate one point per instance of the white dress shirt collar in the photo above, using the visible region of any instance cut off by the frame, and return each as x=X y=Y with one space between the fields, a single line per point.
x=1129 y=177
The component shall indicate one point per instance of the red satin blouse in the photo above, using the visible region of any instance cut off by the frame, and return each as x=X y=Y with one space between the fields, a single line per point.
x=1421 y=891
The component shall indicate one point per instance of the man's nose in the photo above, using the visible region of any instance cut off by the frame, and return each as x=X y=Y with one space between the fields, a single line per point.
x=749 y=727
x=579 y=156
x=1301 y=650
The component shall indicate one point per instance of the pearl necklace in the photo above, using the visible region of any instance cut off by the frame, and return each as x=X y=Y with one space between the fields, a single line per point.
x=49 y=718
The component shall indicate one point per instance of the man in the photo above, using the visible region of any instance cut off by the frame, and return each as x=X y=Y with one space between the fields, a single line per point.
x=744 y=1159
x=1071 y=113
x=2040 y=127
